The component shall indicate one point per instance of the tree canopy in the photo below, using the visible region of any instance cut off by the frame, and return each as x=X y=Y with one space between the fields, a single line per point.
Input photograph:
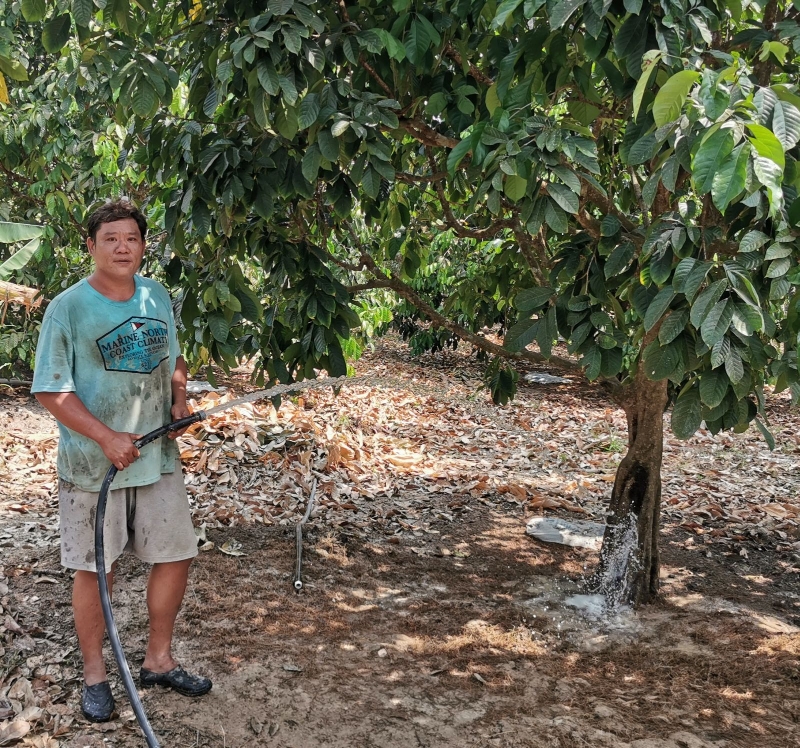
x=617 y=175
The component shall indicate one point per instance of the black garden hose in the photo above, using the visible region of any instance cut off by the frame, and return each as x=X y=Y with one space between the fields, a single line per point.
x=102 y=582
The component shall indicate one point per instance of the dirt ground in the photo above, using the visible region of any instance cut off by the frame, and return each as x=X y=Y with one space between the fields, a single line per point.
x=428 y=616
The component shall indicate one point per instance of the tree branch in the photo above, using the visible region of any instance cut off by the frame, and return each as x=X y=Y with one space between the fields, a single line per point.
x=528 y=247
x=458 y=227
x=402 y=176
x=426 y=135
x=405 y=291
x=637 y=190
x=380 y=81
x=368 y=286
x=590 y=194
x=451 y=52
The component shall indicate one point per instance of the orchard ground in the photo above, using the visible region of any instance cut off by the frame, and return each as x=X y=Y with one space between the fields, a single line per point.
x=428 y=617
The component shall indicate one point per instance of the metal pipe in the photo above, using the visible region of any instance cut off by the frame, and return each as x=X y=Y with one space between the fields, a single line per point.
x=298 y=535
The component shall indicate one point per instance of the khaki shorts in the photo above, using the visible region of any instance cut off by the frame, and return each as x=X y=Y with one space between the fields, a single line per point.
x=154 y=522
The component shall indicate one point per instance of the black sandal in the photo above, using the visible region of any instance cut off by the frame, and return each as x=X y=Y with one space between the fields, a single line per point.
x=178 y=680
x=97 y=702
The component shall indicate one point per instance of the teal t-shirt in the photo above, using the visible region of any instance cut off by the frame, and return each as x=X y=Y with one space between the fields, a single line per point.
x=118 y=357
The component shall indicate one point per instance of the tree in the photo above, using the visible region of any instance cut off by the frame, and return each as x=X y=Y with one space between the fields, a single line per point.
x=626 y=170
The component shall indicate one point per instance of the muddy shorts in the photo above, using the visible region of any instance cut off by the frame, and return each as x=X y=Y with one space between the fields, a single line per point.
x=154 y=522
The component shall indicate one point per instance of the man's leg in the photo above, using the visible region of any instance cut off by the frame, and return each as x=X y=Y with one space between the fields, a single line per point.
x=89 y=623
x=165 y=591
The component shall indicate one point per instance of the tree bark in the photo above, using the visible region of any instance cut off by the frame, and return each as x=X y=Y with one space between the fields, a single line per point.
x=629 y=563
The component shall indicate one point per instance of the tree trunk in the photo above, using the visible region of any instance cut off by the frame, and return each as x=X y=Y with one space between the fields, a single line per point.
x=629 y=561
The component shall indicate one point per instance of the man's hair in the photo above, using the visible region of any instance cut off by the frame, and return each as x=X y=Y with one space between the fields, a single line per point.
x=118 y=210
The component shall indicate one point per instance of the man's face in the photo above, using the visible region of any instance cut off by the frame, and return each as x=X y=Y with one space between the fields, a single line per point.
x=118 y=249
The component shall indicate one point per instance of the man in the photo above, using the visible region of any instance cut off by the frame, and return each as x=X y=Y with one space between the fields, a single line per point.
x=108 y=368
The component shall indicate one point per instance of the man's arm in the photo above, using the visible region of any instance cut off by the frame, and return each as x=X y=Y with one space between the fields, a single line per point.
x=179 y=407
x=68 y=409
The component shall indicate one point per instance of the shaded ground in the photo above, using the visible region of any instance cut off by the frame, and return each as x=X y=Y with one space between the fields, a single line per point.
x=429 y=618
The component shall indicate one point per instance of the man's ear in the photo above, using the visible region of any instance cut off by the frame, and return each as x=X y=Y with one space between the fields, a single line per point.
x=90 y=244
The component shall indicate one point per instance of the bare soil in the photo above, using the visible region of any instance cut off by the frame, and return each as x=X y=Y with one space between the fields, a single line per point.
x=447 y=632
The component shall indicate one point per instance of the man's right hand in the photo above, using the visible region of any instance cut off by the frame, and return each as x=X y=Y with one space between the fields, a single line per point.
x=120 y=449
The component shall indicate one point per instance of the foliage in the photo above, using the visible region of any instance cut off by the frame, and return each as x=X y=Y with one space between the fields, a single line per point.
x=630 y=169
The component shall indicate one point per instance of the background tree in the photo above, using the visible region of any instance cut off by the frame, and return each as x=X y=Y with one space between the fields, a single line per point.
x=621 y=175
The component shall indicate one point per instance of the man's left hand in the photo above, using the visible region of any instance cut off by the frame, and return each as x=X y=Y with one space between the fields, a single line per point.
x=179 y=410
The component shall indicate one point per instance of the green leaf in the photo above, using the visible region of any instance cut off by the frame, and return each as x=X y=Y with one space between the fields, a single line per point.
x=458 y=153
x=394 y=47
x=82 y=11
x=338 y=128
x=619 y=259
x=731 y=178
x=752 y=241
x=672 y=95
x=649 y=66
x=673 y=325
x=268 y=77
x=289 y=89
x=286 y=122
x=720 y=351
x=219 y=326
x=706 y=300
x=713 y=387
x=19 y=259
x=687 y=413
x=610 y=225
x=522 y=334
x=777 y=251
x=33 y=10
x=734 y=366
x=560 y=14
x=766 y=433
x=717 y=322
x=778 y=268
x=786 y=124
x=530 y=299
x=564 y=196
x=504 y=10
x=593 y=361
x=767 y=145
x=709 y=158
x=19 y=232
x=309 y=111
x=418 y=41
x=660 y=363
x=55 y=33
x=583 y=112
x=311 y=162
x=515 y=187
x=643 y=150
x=371 y=181
x=556 y=218
x=328 y=145
x=144 y=99
x=13 y=69
x=658 y=306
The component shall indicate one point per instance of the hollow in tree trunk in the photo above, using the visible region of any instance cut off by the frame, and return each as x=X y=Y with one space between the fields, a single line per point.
x=629 y=561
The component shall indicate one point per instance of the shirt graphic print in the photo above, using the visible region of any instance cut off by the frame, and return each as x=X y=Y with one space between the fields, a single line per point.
x=138 y=345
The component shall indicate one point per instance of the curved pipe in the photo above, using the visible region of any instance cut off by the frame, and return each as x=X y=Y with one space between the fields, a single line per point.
x=102 y=582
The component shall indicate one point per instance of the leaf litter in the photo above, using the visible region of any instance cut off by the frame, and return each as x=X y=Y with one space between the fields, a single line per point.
x=396 y=464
